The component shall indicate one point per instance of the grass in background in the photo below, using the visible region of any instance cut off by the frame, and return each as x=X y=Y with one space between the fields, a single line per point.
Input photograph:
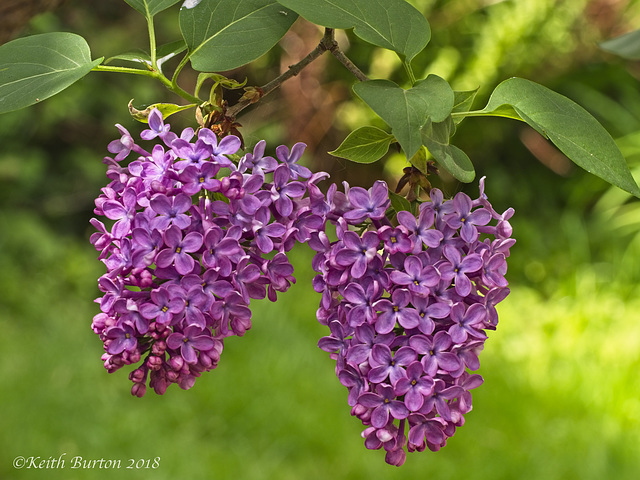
x=561 y=398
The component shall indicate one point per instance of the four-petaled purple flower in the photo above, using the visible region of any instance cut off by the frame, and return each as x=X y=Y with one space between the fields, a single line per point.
x=414 y=386
x=466 y=220
x=458 y=269
x=384 y=405
x=396 y=311
x=418 y=278
x=178 y=249
x=122 y=212
x=157 y=127
x=291 y=159
x=193 y=338
x=171 y=211
x=372 y=203
x=389 y=365
x=122 y=337
x=358 y=251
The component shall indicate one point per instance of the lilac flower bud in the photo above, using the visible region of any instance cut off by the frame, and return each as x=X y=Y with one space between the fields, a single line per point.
x=138 y=390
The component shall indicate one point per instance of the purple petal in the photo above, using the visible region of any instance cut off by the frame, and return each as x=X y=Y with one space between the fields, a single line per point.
x=380 y=416
x=192 y=242
x=188 y=353
x=228 y=145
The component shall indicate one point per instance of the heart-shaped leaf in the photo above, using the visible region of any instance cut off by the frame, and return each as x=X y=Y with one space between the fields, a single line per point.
x=149 y=8
x=364 y=145
x=436 y=138
x=392 y=24
x=406 y=111
x=226 y=34
x=37 y=67
x=570 y=127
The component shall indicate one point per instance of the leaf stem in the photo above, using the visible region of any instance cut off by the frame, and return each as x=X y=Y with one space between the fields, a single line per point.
x=482 y=113
x=152 y=43
x=409 y=70
x=152 y=74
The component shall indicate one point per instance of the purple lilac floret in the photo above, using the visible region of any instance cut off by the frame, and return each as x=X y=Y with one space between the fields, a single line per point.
x=193 y=231
x=408 y=304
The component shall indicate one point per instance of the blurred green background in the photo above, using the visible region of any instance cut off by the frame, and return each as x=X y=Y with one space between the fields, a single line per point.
x=561 y=398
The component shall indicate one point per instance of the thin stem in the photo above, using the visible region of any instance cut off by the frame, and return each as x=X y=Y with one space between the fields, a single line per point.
x=134 y=71
x=153 y=74
x=343 y=59
x=328 y=43
x=183 y=62
x=409 y=70
x=293 y=70
x=482 y=113
x=152 y=43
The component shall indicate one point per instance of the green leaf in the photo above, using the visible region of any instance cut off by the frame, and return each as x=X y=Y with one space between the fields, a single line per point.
x=149 y=8
x=364 y=145
x=169 y=50
x=37 y=67
x=570 y=127
x=463 y=100
x=226 y=34
x=406 y=111
x=166 y=109
x=420 y=161
x=392 y=24
x=436 y=138
x=625 y=46
x=135 y=57
x=399 y=203
x=163 y=53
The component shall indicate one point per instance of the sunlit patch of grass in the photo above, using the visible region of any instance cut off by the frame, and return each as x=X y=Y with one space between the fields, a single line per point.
x=560 y=398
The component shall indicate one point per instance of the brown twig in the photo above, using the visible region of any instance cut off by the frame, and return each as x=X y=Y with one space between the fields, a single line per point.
x=328 y=43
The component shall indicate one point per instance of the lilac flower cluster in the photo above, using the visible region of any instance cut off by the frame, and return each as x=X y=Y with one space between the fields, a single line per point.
x=407 y=305
x=196 y=232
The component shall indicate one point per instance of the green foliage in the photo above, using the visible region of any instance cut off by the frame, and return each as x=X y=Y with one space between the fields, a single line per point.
x=406 y=111
x=149 y=8
x=37 y=67
x=164 y=52
x=166 y=109
x=399 y=203
x=391 y=24
x=364 y=145
x=626 y=46
x=463 y=101
x=226 y=34
x=436 y=136
x=570 y=127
